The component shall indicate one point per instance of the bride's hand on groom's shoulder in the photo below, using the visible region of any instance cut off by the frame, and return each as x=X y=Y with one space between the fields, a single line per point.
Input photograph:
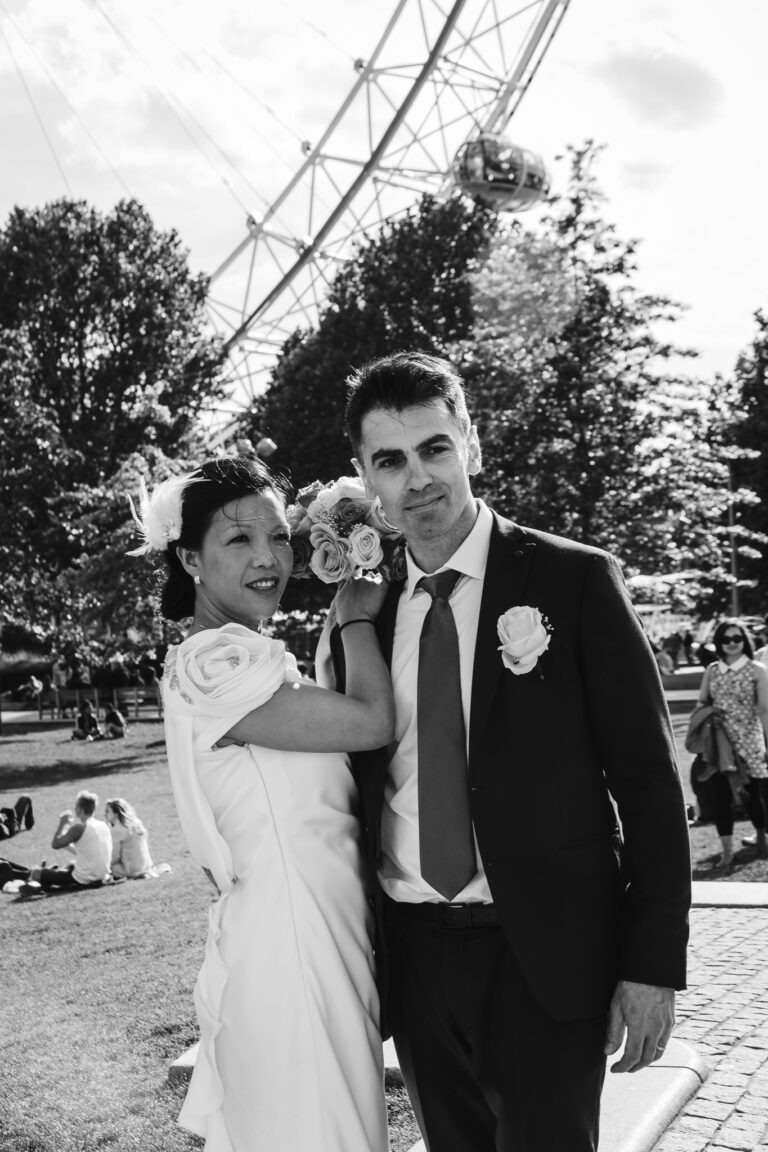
x=359 y=598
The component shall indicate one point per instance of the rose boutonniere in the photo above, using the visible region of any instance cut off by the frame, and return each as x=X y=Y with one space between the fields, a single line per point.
x=524 y=634
x=336 y=533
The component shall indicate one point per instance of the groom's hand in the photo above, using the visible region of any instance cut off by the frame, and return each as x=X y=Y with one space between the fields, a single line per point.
x=646 y=1013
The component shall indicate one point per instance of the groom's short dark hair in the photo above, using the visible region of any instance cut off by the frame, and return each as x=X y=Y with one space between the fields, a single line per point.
x=400 y=381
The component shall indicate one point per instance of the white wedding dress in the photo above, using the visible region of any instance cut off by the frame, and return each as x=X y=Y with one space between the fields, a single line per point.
x=290 y=1056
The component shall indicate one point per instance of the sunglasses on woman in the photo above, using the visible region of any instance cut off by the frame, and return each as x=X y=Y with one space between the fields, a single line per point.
x=733 y=639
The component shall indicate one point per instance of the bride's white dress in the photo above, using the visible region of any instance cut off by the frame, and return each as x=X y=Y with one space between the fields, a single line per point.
x=290 y=1056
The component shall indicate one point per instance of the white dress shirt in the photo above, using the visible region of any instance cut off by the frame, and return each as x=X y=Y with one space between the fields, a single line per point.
x=400 y=873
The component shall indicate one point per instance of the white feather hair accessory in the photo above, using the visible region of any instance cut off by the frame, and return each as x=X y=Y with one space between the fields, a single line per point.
x=159 y=517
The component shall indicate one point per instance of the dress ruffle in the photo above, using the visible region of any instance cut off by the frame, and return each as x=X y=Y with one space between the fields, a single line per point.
x=202 y=1109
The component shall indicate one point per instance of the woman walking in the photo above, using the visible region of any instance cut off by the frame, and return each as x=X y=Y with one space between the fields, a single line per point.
x=737 y=687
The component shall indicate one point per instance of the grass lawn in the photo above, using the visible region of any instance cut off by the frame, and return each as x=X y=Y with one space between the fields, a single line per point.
x=97 y=985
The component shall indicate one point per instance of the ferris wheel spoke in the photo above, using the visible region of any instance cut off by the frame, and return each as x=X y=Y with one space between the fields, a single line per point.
x=408 y=125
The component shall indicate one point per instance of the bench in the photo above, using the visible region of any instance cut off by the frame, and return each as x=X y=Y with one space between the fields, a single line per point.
x=125 y=699
x=61 y=700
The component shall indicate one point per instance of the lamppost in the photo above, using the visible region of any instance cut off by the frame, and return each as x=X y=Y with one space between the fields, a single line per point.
x=735 y=599
x=728 y=454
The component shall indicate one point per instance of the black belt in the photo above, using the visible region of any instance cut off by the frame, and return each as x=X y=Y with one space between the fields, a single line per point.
x=450 y=915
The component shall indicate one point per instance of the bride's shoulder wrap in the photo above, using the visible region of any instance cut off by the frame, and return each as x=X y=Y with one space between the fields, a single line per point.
x=211 y=681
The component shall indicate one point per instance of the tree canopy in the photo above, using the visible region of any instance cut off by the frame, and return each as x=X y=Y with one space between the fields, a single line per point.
x=103 y=352
x=406 y=288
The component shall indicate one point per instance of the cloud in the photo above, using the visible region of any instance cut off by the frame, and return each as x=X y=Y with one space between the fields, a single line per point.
x=661 y=87
x=644 y=174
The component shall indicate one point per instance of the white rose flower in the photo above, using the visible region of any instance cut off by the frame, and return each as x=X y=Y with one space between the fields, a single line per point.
x=330 y=559
x=365 y=549
x=524 y=637
x=346 y=487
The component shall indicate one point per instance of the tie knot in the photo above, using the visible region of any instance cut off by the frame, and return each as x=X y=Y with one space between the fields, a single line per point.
x=441 y=584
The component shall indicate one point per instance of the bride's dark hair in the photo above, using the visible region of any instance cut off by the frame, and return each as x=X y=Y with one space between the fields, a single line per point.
x=211 y=486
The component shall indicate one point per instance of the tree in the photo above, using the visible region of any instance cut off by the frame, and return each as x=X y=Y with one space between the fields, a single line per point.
x=103 y=352
x=108 y=322
x=750 y=431
x=407 y=288
x=576 y=404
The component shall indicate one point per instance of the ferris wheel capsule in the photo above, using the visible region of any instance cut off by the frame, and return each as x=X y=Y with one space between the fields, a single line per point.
x=491 y=167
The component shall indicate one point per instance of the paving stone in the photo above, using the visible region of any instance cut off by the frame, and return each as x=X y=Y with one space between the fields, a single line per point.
x=737 y=1079
x=735 y=1133
x=698 y=1125
x=753 y=1104
x=683 y=1142
x=712 y=1109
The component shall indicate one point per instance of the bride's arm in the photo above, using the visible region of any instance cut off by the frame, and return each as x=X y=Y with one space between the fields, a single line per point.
x=305 y=718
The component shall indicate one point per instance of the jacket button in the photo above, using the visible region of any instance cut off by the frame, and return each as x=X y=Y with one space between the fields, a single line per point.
x=519 y=553
x=474 y=788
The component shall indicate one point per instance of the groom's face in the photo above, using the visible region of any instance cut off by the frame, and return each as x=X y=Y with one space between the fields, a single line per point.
x=418 y=461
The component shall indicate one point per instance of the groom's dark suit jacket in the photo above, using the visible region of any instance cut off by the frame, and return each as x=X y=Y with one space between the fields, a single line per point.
x=555 y=756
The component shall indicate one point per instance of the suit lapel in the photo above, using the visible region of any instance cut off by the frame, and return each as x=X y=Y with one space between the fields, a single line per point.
x=510 y=555
x=385 y=622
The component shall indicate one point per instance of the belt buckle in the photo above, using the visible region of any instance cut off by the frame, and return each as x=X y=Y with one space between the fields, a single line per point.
x=446 y=920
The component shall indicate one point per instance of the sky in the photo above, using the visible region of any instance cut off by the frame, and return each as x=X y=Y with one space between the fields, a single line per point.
x=198 y=110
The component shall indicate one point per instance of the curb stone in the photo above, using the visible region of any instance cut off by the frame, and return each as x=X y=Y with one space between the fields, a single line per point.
x=636 y=1108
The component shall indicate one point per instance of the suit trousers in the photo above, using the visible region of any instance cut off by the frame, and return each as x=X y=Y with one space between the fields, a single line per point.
x=486 y=1067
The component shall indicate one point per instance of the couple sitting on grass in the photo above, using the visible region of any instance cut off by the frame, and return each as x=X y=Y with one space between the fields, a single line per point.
x=104 y=850
x=87 y=726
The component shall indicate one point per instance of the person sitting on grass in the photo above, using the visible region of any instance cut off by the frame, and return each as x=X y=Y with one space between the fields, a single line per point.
x=130 y=843
x=115 y=724
x=90 y=842
x=86 y=725
x=13 y=820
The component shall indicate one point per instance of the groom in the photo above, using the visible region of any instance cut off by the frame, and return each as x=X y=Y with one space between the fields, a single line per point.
x=527 y=828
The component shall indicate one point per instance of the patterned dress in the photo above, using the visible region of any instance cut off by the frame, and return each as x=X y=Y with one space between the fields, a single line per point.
x=735 y=693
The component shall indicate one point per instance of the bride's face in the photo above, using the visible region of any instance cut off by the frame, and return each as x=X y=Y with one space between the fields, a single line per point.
x=244 y=562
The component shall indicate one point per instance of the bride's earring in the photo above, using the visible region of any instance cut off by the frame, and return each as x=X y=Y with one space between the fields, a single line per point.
x=379 y=513
x=198 y=580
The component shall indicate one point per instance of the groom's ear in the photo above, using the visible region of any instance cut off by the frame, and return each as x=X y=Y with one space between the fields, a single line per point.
x=362 y=476
x=474 y=453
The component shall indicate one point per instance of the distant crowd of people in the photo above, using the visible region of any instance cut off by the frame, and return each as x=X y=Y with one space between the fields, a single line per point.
x=96 y=670
x=678 y=649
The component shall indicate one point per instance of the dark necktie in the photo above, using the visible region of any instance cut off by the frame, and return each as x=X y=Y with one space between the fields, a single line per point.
x=446 y=843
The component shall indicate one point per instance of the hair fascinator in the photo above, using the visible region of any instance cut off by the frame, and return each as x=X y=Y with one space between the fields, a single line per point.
x=159 y=517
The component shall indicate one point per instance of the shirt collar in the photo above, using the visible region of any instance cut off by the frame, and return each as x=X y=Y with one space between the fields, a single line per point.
x=469 y=558
x=737 y=664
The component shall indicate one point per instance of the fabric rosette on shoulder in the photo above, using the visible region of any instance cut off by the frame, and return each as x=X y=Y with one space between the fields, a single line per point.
x=212 y=680
x=228 y=671
x=337 y=532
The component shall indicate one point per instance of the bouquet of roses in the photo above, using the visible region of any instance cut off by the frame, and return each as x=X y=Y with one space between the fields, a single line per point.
x=337 y=532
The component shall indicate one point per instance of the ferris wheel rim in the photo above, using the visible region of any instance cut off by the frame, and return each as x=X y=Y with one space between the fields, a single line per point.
x=381 y=169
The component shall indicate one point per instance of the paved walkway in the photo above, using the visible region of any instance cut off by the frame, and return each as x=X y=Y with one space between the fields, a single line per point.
x=724 y=1014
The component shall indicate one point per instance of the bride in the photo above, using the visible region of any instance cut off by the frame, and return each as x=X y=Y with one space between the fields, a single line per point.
x=290 y=1053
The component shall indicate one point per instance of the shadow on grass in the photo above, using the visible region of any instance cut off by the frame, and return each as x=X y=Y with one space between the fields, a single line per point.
x=45 y=894
x=14 y=1143
x=745 y=867
x=61 y=771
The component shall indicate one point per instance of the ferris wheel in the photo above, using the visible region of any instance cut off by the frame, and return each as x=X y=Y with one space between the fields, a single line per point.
x=426 y=113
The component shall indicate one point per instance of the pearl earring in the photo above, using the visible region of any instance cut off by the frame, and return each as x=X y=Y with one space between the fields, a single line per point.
x=198 y=580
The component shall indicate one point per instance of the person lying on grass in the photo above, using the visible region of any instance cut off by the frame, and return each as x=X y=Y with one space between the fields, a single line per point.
x=13 y=820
